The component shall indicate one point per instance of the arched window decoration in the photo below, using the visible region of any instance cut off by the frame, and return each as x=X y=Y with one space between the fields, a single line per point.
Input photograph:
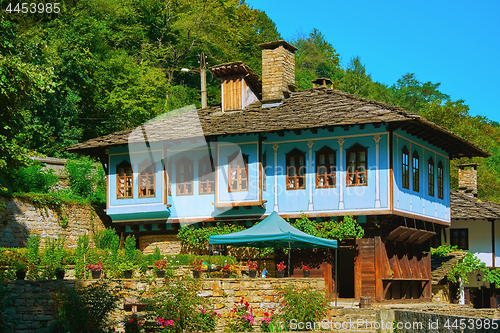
x=357 y=172
x=406 y=168
x=295 y=170
x=431 y=177
x=440 y=180
x=238 y=172
x=184 y=176
x=326 y=166
x=147 y=179
x=416 y=171
x=124 y=181
x=206 y=176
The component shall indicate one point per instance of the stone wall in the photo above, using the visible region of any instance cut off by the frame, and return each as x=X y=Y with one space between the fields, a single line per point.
x=32 y=300
x=19 y=218
x=168 y=244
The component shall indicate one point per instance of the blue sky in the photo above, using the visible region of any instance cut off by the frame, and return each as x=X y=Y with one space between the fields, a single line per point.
x=456 y=43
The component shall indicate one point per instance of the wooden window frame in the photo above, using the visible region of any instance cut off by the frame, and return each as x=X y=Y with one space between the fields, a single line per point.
x=440 y=180
x=184 y=188
x=239 y=174
x=430 y=176
x=456 y=240
x=296 y=177
x=327 y=166
x=206 y=182
x=125 y=165
x=356 y=148
x=415 y=166
x=147 y=179
x=405 y=173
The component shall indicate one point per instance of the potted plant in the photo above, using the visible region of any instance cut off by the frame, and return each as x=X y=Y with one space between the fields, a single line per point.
x=226 y=270
x=196 y=264
x=60 y=273
x=306 y=271
x=252 y=268
x=95 y=269
x=20 y=267
x=281 y=269
x=160 y=266
x=127 y=268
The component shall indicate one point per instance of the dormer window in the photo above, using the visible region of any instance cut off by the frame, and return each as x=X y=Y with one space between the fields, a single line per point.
x=231 y=93
x=357 y=172
x=326 y=167
x=147 y=179
x=184 y=176
x=124 y=181
x=295 y=170
x=238 y=172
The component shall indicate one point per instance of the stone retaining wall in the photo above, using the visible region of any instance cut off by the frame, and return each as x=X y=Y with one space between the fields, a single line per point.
x=20 y=218
x=32 y=300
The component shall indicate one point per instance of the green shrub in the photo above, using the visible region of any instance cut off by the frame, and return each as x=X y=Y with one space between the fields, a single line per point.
x=33 y=257
x=53 y=255
x=443 y=250
x=82 y=250
x=301 y=305
x=197 y=238
x=87 y=180
x=84 y=310
x=31 y=179
x=103 y=239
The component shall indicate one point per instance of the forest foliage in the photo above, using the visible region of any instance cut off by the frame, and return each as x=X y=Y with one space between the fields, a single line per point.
x=101 y=66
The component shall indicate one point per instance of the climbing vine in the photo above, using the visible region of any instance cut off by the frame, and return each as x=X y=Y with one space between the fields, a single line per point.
x=347 y=228
x=197 y=238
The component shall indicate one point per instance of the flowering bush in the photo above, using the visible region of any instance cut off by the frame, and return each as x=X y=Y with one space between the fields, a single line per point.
x=196 y=264
x=205 y=321
x=268 y=323
x=96 y=267
x=133 y=324
x=226 y=267
x=281 y=266
x=241 y=318
x=161 y=264
x=252 y=266
x=306 y=268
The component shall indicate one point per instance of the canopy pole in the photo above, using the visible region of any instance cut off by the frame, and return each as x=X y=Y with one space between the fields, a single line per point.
x=336 y=281
x=209 y=254
x=288 y=257
x=259 y=261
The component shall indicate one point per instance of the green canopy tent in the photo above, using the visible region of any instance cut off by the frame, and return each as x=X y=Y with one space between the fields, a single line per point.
x=274 y=231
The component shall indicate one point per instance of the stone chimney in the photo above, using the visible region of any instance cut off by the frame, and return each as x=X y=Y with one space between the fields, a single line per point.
x=278 y=71
x=467 y=178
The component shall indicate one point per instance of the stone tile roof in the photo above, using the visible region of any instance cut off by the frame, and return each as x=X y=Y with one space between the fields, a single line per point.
x=309 y=109
x=441 y=265
x=465 y=206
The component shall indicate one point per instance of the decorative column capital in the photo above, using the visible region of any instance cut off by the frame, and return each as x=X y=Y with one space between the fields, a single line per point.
x=275 y=147
x=310 y=143
x=341 y=141
x=377 y=138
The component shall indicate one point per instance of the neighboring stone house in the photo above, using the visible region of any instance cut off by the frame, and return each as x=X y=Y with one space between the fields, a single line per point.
x=321 y=152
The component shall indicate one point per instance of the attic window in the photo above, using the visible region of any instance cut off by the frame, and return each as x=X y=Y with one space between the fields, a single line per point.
x=124 y=181
x=232 y=93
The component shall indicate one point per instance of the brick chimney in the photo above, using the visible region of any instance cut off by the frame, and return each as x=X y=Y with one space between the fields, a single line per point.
x=278 y=71
x=467 y=178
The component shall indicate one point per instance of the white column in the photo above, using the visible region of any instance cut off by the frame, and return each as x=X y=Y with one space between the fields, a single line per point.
x=342 y=173
x=396 y=168
x=275 y=147
x=377 y=170
x=425 y=167
x=410 y=171
x=310 y=170
x=435 y=187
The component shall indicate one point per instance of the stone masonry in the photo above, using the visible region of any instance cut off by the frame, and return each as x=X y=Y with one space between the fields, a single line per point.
x=467 y=178
x=19 y=218
x=278 y=70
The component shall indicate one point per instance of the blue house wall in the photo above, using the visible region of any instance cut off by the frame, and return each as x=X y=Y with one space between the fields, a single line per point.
x=375 y=198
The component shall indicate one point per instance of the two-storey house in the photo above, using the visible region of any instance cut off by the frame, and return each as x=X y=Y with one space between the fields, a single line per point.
x=321 y=152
